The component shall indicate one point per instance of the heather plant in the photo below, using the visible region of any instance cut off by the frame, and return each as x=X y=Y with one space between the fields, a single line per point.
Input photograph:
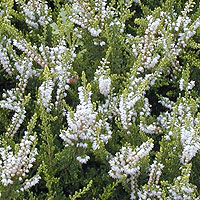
x=99 y=99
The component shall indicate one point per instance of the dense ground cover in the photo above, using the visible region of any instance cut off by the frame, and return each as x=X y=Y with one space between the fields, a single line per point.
x=99 y=99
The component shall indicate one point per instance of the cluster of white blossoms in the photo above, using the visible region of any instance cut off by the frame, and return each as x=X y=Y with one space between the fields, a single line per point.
x=4 y=56
x=28 y=183
x=149 y=129
x=17 y=164
x=83 y=160
x=24 y=68
x=128 y=100
x=130 y=1
x=104 y=85
x=166 y=102
x=155 y=172
x=86 y=125
x=30 y=51
x=60 y=58
x=118 y=24
x=147 y=44
x=182 y=25
x=183 y=85
x=13 y=101
x=16 y=121
x=90 y=17
x=127 y=163
x=45 y=92
x=102 y=76
x=190 y=140
x=148 y=193
x=54 y=55
x=179 y=189
x=14 y=98
x=161 y=33
x=182 y=122
x=36 y=13
x=182 y=188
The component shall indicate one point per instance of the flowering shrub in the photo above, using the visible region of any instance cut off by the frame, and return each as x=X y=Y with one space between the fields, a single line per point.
x=99 y=99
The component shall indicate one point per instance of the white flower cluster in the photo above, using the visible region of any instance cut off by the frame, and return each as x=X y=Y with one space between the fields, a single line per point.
x=147 y=44
x=36 y=13
x=11 y=102
x=190 y=85
x=83 y=160
x=60 y=65
x=129 y=2
x=104 y=85
x=155 y=172
x=190 y=141
x=86 y=16
x=78 y=32
x=127 y=163
x=14 y=98
x=4 y=56
x=16 y=121
x=135 y=93
x=84 y=125
x=149 y=129
x=30 y=51
x=134 y=49
x=24 y=67
x=188 y=31
x=17 y=164
x=14 y=103
x=184 y=22
x=184 y=121
x=152 y=190
x=179 y=189
x=109 y=107
x=182 y=189
x=153 y=25
x=183 y=85
x=161 y=33
x=166 y=102
x=183 y=27
x=102 y=76
x=28 y=183
x=116 y=23
x=45 y=91
x=54 y=55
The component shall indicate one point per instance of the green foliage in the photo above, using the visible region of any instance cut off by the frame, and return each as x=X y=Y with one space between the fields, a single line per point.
x=81 y=192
